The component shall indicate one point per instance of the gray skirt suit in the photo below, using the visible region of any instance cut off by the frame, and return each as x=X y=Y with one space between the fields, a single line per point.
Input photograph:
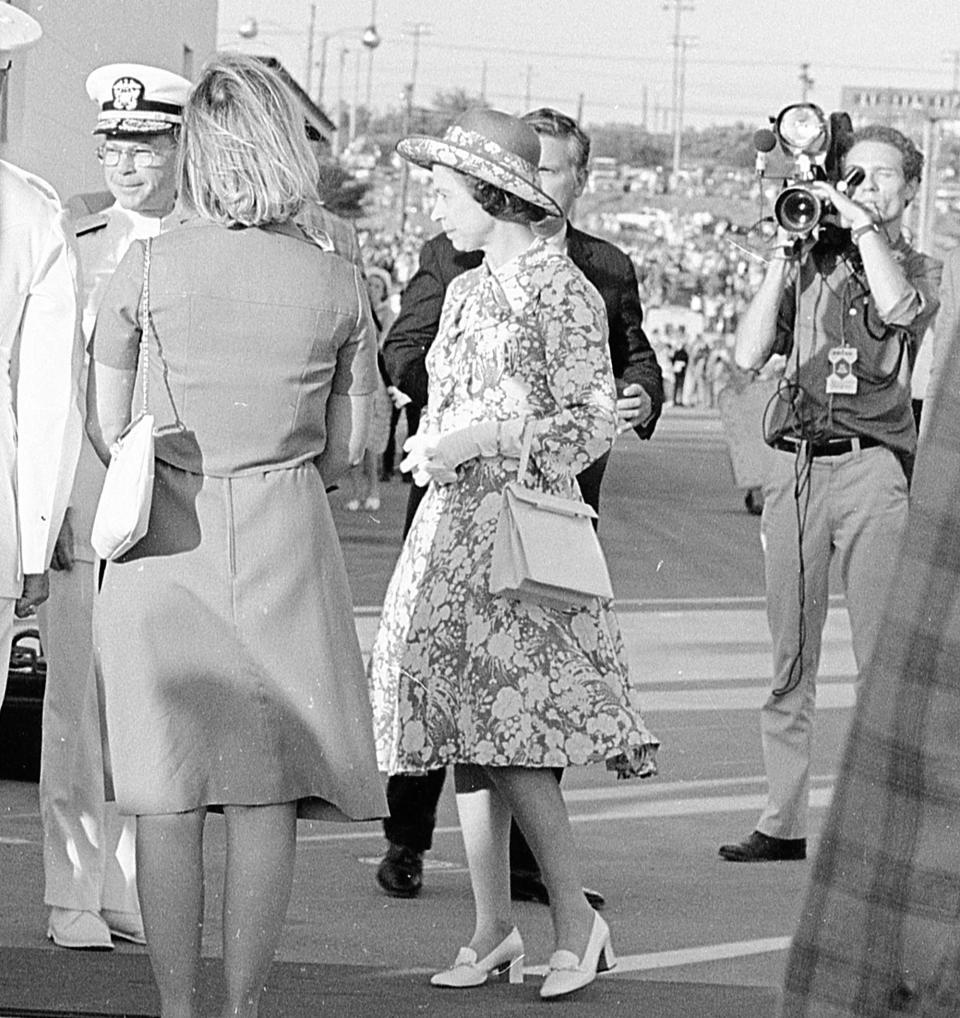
x=230 y=665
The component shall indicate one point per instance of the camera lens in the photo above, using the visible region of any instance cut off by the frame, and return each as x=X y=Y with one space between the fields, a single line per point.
x=798 y=209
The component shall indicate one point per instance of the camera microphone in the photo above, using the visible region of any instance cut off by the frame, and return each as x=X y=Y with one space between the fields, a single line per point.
x=764 y=141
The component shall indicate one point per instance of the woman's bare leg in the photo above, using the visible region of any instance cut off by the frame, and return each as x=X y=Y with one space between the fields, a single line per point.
x=534 y=797
x=258 y=878
x=170 y=884
x=485 y=823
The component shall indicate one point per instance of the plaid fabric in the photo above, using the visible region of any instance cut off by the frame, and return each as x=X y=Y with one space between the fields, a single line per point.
x=879 y=933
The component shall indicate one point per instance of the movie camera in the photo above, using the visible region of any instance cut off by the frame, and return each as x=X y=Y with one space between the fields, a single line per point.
x=816 y=145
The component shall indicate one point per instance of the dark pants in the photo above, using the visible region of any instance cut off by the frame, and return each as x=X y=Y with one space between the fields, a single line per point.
x=412 y=798
x=412 y=413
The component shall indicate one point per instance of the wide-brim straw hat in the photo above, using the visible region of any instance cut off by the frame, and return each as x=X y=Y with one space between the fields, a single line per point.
x=493 y=146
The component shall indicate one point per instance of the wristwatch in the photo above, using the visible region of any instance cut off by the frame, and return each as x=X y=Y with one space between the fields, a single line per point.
x=856 y=234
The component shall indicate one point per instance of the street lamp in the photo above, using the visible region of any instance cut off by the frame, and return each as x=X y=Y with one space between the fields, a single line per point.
x=370 y=40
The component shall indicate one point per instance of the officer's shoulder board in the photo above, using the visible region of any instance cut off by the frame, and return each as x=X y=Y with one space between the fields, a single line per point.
x=90 y=223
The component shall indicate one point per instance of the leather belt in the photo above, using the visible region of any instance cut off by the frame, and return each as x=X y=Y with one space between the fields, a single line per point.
x=832 y=447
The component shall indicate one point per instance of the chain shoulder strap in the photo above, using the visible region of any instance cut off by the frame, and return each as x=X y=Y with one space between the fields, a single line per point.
x=145 y=326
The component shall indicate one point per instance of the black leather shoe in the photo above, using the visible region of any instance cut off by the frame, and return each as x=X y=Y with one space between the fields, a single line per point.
x=400 y=872
x=526 y=886
x=761 y=847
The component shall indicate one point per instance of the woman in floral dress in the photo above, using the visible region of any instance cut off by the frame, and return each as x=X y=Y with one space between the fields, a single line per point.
x=503 y=689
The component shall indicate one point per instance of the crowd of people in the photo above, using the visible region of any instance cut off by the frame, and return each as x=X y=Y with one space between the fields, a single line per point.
x=695 y=274
x=217 y=294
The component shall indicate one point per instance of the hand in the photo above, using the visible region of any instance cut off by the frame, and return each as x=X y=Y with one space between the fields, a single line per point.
x=852 y=214
x=400 y=399
x=63 y=557
x=634 y=407
x=424 y=462
x=36 y=589
x=789 y=245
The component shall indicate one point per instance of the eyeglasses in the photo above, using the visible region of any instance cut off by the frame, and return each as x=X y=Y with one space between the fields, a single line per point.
x=142 y=158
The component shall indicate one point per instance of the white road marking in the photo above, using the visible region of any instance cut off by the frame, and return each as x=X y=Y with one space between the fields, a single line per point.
x=686 y=956
x=819 y=798
x=830 y=696
x=663 y=789
x=637 y=810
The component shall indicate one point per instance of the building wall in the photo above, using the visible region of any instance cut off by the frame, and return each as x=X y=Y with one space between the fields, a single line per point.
x=48 y=114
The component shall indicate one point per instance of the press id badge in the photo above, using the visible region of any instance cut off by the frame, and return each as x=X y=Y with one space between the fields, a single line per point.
x=842 y=380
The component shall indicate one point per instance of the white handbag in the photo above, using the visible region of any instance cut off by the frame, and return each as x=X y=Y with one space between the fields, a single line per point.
x=546 y=549
x=123 y=512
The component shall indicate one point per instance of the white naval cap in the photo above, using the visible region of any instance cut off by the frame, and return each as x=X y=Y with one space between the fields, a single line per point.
x=18 y=31
x=137 y=99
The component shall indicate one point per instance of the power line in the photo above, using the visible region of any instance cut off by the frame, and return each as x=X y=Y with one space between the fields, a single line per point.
x=607 y=58
x=569 y=102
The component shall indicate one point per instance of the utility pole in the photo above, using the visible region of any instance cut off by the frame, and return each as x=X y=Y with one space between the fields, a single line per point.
x=954 y=56
x=685 y=41
x=416 y=30
x=526 y=93
x=806 y=82
x=679 y=44
x=580 y=109
x=308 y=80
x=338 y=118
x=356 y=99
x=483 y=82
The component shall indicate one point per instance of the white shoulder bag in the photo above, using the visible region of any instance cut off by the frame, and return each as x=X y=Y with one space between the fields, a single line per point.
x=546 y=549
x=123 y=512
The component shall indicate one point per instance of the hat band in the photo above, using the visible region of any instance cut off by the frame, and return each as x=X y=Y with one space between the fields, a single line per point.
x=144 y=105
x=490 y=150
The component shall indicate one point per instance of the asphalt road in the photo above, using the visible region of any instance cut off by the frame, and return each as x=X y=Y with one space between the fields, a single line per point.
x=687 y=570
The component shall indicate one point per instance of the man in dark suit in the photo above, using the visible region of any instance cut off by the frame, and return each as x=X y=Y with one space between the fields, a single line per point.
x=564 y=157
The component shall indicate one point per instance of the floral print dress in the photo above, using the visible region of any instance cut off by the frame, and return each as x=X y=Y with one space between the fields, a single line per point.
x=459 y=675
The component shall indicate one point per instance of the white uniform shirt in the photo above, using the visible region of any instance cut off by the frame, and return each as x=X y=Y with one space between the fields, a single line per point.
x=41 y=360
x=103 y=239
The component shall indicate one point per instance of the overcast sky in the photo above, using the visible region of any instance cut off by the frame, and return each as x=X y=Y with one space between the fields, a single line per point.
x=743 y=57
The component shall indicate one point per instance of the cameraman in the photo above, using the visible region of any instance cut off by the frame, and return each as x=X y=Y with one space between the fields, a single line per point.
x=848 y=310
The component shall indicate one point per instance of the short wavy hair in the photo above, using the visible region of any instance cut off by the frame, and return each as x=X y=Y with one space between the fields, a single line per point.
x=502 y=204
x=554 y=124
x=910 y=155
x=245 y=159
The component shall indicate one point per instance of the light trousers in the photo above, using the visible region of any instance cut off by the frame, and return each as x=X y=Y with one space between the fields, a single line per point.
x=857 y=511
x=88 y=848
x=7 y=604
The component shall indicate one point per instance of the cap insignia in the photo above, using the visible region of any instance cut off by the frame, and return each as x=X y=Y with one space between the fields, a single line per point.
x=127 y=93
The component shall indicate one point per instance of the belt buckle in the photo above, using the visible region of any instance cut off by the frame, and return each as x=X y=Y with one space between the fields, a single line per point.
x=789 y=443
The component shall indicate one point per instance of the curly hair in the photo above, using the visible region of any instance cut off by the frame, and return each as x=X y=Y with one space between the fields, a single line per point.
x=502 y=204
x=910 y=155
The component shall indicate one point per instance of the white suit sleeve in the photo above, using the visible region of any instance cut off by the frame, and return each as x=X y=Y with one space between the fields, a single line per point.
x=48 y=394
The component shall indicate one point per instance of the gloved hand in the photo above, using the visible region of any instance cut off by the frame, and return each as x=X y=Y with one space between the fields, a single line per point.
x=436 y=457
x=421 y=461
